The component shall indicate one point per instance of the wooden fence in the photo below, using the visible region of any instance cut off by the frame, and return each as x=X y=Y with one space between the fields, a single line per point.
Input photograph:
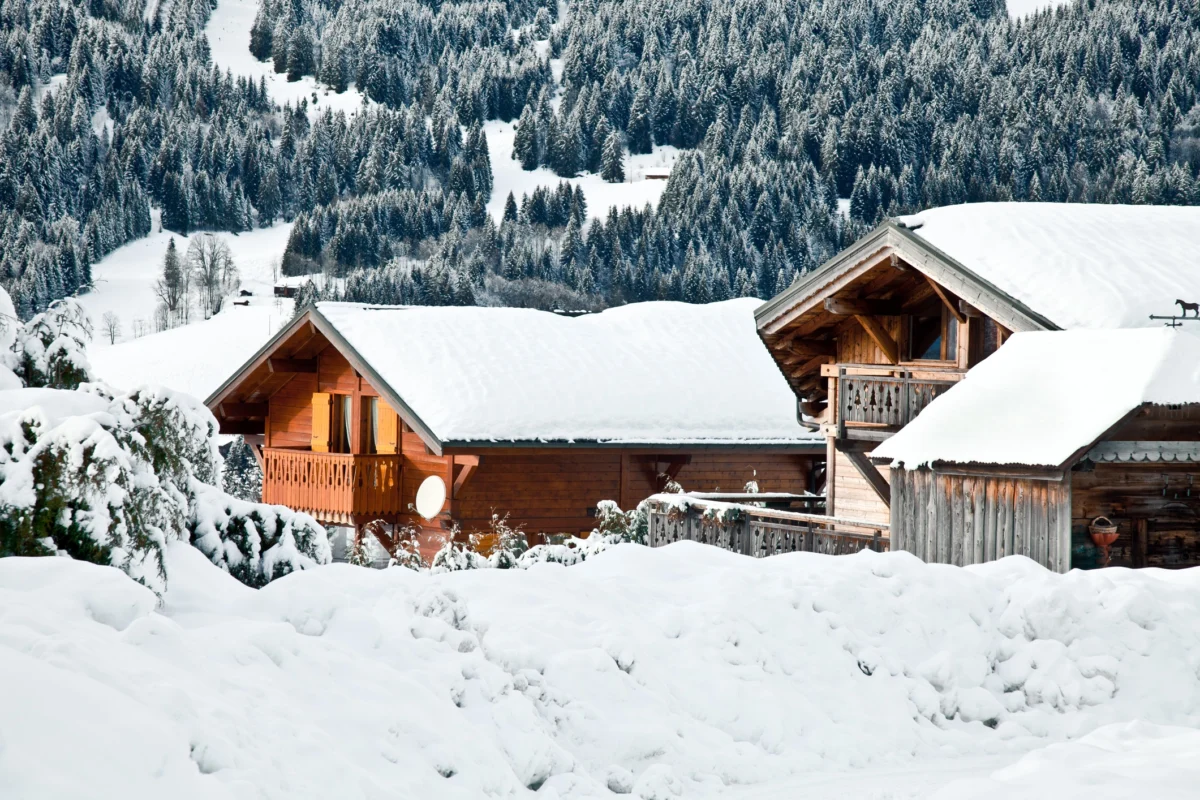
x=756 y=531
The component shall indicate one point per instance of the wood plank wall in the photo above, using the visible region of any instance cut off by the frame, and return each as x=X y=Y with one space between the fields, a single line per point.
x=853 y=497
x=951 y=519
x=557 y=491
x=1163 y=497
x=855 y=346
x=290 y=413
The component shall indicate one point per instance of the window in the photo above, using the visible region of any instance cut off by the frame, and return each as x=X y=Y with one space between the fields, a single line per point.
x=339 y=429
x=933 y=336
x=372 y=424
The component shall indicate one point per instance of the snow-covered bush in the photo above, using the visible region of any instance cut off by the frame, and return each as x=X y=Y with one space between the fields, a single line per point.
x=112 y=477
x=254 y=542
x=50 y=349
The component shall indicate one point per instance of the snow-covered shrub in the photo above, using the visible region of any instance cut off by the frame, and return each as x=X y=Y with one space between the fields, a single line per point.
x=50 y=349
x=406 y=548
x=614 y=527
x=508 y=543
x=111 y=478
x=254 y=542
x=75 y=478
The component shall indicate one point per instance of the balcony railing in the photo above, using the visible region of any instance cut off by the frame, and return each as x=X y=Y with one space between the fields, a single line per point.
x=333 y=487
x=874 y=406
x=756 y=531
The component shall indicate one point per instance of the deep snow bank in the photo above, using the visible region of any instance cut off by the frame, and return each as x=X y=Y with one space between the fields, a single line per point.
x=680 y=670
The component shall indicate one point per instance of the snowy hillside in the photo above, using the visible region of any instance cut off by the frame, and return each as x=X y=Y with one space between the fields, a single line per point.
x=508 y=176
x=680 y=672
x=228 y=32
x=124 y=279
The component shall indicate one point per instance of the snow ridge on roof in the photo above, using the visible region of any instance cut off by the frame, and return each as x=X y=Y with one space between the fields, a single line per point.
x=1079 y=265
x=653 y=373
x=1046 y=394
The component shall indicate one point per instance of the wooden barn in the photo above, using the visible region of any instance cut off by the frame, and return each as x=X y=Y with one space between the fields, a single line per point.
x=870 y=338
x=1062 y=446
x=354 y=408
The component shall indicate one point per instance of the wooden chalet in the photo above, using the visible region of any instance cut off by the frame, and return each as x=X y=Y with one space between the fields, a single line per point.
x=1074 y=448
x=868 y=340
x=352 y=408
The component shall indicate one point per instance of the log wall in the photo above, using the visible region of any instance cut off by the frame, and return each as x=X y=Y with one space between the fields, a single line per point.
x=556 y=491
x=961 y=520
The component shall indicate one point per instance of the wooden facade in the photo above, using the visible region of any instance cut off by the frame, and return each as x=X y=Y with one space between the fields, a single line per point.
x=869 y=340
x=338 y=442
x=1142 y=476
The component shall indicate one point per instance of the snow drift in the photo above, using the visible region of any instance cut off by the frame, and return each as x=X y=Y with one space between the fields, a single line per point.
x=680 y=671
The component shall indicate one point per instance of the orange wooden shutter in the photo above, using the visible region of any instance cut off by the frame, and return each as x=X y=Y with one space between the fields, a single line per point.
x=320 y=421
x=387 y=434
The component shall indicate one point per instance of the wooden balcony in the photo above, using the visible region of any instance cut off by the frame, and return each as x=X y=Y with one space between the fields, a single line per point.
x=333 y=487
x=874 y=402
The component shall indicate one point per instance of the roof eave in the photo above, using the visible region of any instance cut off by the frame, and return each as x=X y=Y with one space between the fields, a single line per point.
x=934 y=262
x=314 y=317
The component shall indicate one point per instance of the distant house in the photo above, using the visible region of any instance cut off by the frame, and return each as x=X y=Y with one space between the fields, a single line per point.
x=870 y=338
x=656 y=173
x=353 y=408
x=1057 y=431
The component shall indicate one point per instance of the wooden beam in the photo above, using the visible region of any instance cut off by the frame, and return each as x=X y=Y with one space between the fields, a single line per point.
x=811 y=365
x=469 y=464
x=868 y=470
x=244 y=427
x=806 y=348
x=292 y=366
x=949 y=300
x=882 y=338
x=244 y=410
x=969 y=310
x=868 y=308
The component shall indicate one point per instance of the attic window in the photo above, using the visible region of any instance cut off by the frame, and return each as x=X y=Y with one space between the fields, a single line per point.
x=932 y=336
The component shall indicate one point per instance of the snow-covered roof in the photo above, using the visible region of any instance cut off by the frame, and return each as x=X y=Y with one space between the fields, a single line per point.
x=1077 y=265
x=1046 y=394
x=653 y=373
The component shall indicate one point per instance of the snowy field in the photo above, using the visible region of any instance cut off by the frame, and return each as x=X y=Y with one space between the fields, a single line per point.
x=228 y=32
x=683 y=672
x=124 y=279
x=1023 y=8
x=507 y=176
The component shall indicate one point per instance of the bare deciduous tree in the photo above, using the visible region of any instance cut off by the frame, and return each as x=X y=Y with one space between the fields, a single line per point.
x=112 y=326
x=212 y=268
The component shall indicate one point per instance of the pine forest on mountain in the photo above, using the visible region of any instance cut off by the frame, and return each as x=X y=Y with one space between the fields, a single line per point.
x=779 y=108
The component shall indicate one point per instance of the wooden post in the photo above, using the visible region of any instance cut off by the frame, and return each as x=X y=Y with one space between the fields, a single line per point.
x=1141 y=542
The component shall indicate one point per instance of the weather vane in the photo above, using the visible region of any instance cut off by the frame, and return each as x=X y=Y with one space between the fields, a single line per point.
x=1174 y=321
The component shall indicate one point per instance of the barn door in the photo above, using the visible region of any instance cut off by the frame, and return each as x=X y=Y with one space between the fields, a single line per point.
x=321 y=413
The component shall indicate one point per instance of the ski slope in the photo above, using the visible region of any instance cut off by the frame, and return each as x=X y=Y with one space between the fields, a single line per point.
x=681 y=672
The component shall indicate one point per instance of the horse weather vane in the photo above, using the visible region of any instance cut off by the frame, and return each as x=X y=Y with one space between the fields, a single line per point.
x=1174 y=321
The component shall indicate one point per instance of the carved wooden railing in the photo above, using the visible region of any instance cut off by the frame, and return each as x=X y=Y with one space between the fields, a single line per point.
x=877 y=405
x=333 y=487
x=756 y=531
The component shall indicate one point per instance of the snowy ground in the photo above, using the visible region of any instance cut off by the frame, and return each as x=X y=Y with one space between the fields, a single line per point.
x=124 y=279
x=680 y=672
x=509 y=177
x=228 y=32
x=1023 y=8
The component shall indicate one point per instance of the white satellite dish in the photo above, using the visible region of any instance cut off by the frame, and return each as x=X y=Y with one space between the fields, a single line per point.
x=431 y=496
